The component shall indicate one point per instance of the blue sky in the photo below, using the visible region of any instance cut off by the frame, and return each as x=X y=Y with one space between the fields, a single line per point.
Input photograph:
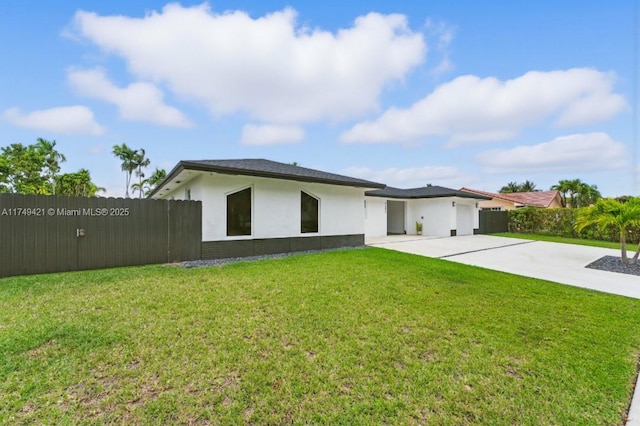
x=406 y=93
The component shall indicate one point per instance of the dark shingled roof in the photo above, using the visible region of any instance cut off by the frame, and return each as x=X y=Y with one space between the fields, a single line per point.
x=423 y=192
x=267 y=169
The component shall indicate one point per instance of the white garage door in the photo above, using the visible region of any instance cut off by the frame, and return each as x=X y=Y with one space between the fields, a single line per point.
x=464 y=219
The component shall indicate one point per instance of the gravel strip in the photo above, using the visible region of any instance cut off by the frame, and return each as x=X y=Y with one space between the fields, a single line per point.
x=614 y=264
x=219 y=262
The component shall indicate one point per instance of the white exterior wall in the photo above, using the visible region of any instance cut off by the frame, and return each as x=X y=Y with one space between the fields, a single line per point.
x=179 y=193
x=275 y=206
x=375 y=217
x=467 y=216
x=436 y=215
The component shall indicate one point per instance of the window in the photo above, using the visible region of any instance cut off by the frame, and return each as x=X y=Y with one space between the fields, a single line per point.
x=308 y=213
x=239 y=213
x=187 y=194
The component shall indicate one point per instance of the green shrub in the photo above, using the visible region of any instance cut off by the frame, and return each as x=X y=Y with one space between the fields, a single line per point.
x=560 y=222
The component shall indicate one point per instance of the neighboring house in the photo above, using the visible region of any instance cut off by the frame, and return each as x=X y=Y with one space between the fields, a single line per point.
x=516 y=200
x=442 y=211
x=254 y=206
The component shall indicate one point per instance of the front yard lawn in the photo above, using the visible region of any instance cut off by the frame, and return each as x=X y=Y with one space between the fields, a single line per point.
x=366 y=336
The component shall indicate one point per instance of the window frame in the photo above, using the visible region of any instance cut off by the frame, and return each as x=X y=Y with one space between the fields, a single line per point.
x=303 y=229
x=242 y=231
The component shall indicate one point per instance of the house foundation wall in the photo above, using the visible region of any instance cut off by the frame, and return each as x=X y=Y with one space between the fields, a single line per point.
x=258 y=247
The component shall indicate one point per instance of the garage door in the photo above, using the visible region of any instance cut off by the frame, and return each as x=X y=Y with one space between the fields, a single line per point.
x=464 y=219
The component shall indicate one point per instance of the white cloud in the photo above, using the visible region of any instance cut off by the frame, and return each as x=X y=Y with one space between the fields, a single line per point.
x=270 y=67
x=573 y=153
x=440 y=31
x=471 y=109
x=442 y=35
x=269 y=134
x=72 y=120
x=444 y=66
x=408 y=177
x=137 y=102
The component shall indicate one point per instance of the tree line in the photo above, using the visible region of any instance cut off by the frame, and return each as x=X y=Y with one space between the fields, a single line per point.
x=36 y=169
x=573 y=192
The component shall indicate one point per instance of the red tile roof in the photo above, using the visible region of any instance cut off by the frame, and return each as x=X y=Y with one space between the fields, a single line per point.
x=534 y=199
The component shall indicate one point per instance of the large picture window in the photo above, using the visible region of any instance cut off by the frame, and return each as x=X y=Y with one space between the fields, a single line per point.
x=239 y=213
x=308 y=213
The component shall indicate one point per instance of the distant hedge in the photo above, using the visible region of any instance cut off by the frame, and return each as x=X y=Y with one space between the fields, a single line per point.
x=559 y=222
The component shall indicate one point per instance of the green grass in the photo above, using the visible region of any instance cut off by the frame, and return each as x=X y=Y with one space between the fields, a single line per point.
x=578 y=241
x=347 y=337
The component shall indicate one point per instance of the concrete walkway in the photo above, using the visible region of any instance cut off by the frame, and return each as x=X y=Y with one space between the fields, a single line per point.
x=561 y=263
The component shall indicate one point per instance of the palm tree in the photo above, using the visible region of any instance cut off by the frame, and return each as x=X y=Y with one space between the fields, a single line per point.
x=509 y=188
x=150 y=183
x=587 y=195
x=156 y=177
x=608 y=212
x=52 y=160
x=128 y=158
x=140 y=161
x=141 y=187
x=527 y=186
x=568 y=190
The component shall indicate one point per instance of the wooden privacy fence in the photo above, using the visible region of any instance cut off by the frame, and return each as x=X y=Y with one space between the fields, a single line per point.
x=493 y=221
x=40 y=234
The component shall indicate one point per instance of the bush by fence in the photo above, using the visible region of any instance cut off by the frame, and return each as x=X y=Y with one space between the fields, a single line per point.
x=560 y=222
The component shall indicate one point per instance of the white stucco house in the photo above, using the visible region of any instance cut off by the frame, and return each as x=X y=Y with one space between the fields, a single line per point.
x=442 y=212
x=256 y=206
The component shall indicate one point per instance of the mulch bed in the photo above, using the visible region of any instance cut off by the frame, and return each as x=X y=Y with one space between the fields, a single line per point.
x=614 y=264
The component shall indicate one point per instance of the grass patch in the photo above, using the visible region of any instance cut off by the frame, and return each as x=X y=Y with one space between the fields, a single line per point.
x=352 y=337
x=566 y=240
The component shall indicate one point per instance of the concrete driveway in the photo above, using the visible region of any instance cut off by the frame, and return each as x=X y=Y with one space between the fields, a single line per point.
x=561 y=263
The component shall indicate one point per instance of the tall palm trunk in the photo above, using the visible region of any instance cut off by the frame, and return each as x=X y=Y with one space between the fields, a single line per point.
x=635 y=257
x=623 y=246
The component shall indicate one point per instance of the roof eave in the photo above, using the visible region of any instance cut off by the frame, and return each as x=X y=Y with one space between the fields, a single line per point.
x=172 y=174
x=195 y=166
x=419 y=197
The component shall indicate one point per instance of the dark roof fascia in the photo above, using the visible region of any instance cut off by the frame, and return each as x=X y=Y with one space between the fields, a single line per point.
x=172 y=174
x=418 y=197
x=400 y=196
x=274 y=175
x=196 y=166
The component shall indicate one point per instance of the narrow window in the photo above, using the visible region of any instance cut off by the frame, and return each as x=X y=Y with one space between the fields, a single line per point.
x=239 y=213
x=308 y=213
x=187 y=194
